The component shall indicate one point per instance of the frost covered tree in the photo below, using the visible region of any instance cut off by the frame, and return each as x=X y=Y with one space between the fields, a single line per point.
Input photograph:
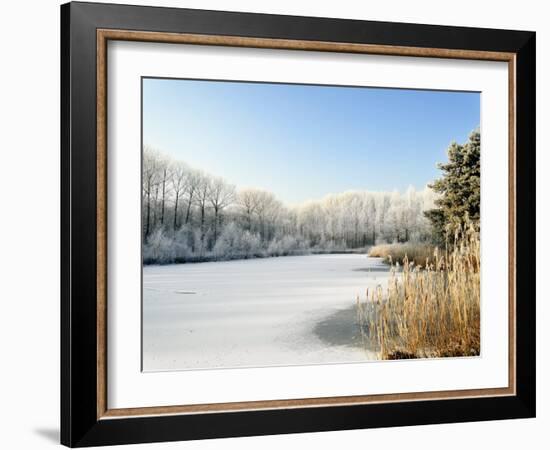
x=190 y=215
x=150 y=178
x=459 y=187
x=193 y=183
x=164 y=174
x=247 y=202
x=220 y=195
x=179 y=179
x=266 y=211
x=201 y=200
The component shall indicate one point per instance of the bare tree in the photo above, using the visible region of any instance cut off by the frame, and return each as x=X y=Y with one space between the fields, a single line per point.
x=179 y=178
x=149 y=182
x=220 y=196
x=266 y=204
x=193 y=182
x=247 y=201
x=201 y=200
x=371 y=216
x=165 y=165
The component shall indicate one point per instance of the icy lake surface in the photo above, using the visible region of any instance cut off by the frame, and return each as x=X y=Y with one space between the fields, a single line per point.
x=260 y=312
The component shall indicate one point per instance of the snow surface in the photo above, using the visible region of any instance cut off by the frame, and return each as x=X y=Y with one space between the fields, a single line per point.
x=250 y=313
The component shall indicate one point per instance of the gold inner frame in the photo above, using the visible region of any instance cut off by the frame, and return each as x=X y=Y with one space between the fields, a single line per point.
x=104 y=35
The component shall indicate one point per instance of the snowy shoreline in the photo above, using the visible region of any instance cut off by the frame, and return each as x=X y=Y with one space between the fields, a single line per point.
x=203 y=259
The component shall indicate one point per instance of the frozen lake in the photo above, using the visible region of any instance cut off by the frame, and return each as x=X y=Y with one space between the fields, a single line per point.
x=260 y=312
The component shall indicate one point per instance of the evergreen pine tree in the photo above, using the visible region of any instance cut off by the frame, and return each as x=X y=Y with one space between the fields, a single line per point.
x=459 y=188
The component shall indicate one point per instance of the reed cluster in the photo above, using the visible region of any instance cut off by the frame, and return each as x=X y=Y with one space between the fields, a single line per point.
x=430 y=309
x=414 y=252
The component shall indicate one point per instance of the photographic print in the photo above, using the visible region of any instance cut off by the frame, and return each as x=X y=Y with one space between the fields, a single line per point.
x=293 y=224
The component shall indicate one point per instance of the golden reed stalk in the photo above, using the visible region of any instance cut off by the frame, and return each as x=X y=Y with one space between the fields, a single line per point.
x=429 y=311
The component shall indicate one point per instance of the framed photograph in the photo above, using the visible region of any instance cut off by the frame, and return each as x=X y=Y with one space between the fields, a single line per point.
x=278 y=224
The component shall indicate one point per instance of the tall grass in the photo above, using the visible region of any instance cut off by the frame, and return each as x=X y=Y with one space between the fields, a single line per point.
x=428 y=311
x=417 y=253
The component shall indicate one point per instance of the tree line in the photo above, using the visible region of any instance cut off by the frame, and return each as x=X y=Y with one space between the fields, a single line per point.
x=189 y=215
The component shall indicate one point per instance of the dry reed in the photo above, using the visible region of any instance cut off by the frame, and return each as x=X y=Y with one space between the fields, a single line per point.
x=417 y=253
x=428 y=311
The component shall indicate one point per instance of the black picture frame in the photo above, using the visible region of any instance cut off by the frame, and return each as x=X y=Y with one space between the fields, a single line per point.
x=80 y=425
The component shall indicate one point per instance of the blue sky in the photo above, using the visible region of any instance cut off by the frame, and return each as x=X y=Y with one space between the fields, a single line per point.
x=303 y=142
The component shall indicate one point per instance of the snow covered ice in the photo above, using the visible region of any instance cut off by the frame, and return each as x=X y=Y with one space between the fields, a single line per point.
x=254 y=313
